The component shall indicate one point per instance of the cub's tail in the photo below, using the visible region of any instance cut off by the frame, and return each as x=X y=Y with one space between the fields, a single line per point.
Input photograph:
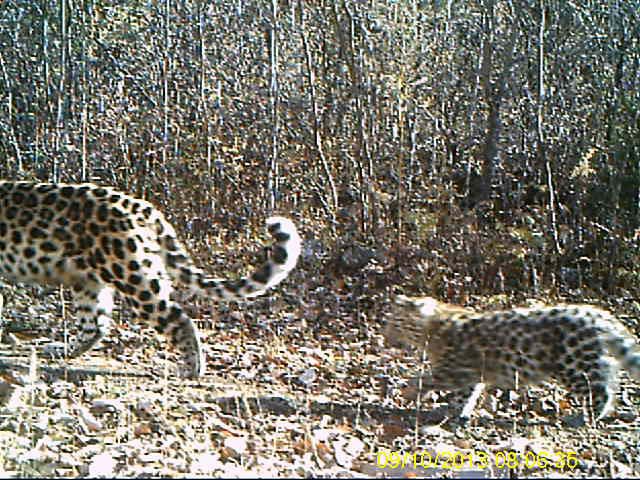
x=622 y=345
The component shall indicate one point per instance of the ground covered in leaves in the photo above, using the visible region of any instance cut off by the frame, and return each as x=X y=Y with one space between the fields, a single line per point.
x=296 y=386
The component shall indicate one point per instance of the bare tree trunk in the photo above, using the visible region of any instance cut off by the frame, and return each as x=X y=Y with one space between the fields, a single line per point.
x=362 y=153
x=165 y=83
x=272 y=176
x=10 y=117
x=60 y=115
x=84 y=85
x=490 y=149
x=400 y=162
x=46 y=61
x=540 y=150
x=494 y=91
x=317 y=135
x=43 y=135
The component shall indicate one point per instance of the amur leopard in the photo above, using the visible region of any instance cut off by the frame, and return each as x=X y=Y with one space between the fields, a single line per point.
x=578 y=346
x=97 y=240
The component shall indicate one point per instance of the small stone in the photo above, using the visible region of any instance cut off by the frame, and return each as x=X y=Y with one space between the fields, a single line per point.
x=106 y=405
x=206 y=463
x=91 y=422
x=574 y=421
x=235 y=446
x=102 y=465
x=308 y=377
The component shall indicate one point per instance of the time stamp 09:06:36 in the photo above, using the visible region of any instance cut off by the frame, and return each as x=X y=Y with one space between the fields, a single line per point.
x=478 y=459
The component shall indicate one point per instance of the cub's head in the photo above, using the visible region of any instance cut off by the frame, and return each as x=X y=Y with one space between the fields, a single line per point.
x=424 y=307
x=427 y=309
x=408 y=324
x=414 y=320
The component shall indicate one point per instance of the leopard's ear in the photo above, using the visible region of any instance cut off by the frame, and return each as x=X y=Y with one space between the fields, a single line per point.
x=425 y=305
x=403 y=300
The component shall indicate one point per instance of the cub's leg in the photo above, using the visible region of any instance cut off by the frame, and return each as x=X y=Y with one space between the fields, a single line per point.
x=461 y=401
x=596 y=382
x=464 y=384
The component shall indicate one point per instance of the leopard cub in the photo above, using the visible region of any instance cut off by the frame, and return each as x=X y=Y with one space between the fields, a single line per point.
x=579 y=346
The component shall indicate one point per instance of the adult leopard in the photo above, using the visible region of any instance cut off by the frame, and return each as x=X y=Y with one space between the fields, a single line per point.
x=97 y=240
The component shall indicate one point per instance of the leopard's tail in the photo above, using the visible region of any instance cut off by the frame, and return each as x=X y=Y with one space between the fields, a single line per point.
x=623 y=346
x=284 y=256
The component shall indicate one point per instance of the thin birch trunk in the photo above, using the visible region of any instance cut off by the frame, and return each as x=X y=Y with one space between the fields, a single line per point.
x=272 y=176
x=317 y=136
x=542 y=157
x=60 y=115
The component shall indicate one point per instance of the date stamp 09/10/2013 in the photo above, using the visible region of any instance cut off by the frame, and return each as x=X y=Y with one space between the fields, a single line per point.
x=478 y=459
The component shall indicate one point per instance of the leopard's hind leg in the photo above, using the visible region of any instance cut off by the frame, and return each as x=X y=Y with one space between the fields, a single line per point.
x=151 y=299
x=596 y=383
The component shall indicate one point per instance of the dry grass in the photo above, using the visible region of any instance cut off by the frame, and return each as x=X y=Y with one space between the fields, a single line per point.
x=294 y=388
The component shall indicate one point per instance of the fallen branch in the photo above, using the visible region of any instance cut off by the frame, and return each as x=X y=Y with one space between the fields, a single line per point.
x=71 y=374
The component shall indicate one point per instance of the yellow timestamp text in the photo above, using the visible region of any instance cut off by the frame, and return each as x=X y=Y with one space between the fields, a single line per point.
x=478 y=459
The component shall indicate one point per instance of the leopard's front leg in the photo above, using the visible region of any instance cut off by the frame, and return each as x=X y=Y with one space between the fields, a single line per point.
x=94 y=306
